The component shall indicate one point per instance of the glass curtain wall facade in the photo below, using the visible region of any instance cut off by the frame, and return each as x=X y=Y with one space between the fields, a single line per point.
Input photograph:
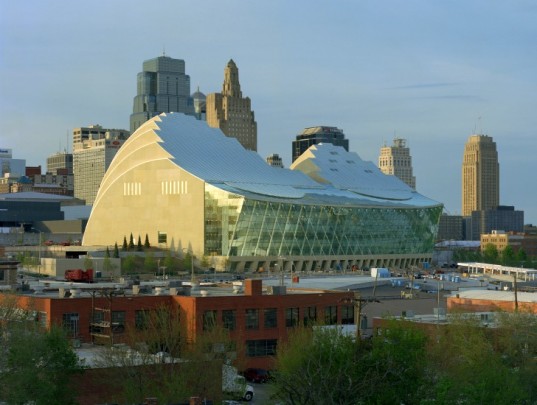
x=237 y=226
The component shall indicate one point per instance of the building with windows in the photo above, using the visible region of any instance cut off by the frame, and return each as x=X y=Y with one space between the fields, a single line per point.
x=200 y=104
x=231 y=112
x=395 y=160
x=503 y=217
x=501 y=239
x=94 y=147
x=315 y=135
x=275 y=160
x=480 y=175
x=189 y=187
x=60 y=163
x=10 y=166
x=162 y=86
x=257 y=318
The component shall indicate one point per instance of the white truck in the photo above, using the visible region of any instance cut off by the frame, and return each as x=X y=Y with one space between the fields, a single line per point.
x=234 y=384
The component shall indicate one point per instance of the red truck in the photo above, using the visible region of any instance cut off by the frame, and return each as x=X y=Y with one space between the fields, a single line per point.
x=85 y=276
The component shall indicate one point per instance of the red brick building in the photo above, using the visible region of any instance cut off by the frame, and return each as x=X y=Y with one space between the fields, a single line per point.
x=491 y=300
x=257 y=321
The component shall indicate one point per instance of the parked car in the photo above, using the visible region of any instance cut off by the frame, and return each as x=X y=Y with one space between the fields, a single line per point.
x=257 y=375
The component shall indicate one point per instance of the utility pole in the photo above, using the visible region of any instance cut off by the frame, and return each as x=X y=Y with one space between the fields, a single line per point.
x=515 y=287
x=358 y=303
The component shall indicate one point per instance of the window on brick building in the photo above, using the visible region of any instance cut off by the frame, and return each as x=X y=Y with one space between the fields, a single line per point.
x=252 y=319
x=229 y=319
x=118 y=321
x=70 y=323
x=209 y=319
x=291 y=317
x=141 y=319
x=260 y=348
x=347 y=314
x=330 y=315
x=310 y=316
x=271 y=318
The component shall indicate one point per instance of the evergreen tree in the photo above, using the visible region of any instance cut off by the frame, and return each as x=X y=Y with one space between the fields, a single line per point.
x=146 y=243
x=125 y=247
x=116 y=251
x=139 y=244
x=107 y=253
x=131 y=242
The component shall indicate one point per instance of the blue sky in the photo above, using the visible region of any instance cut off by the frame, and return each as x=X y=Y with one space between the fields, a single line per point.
x=432 y=72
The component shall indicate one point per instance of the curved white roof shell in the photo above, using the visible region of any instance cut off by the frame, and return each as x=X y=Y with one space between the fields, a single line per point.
x=325 y=174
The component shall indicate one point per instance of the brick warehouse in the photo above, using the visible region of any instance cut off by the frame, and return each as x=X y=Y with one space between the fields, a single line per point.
x=257 y=320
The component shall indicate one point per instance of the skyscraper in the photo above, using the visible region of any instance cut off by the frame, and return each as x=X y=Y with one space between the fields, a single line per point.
x=480 y=175
x=395 y=160
x=200 y=106
x=231 y=112
x=274 y=160
x=163 y=86
x=314 y=135
x=93 y=150
x=60 y=163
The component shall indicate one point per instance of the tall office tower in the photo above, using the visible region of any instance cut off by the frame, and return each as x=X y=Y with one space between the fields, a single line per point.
x=93 y=150
x=163 y=86
x=395 y=160
x=480 y=175
x=60 y=163
x=231 y=112
x=200 y=105
x=314 y=135
x=275 y=160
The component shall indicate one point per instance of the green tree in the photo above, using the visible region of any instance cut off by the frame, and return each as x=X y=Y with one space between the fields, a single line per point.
x=116 y=251
x=131 y=242
x=128 y=264
x=146 y=243
x=149 y=366
x=170 y=262
x=468 y=369
x=396 y=366
x=521 y=256
x=150 y=264
x=125 y=246
x=508 y=256
x=107 y=253
x=205 y=261
x=490 y=253
x=139 y=244
x=187 y=261
x=88 y=262
x=36 y=366
x=318 y=367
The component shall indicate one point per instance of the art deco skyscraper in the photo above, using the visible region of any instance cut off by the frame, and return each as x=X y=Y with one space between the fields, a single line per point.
x=231 y=112
x=162 y=86
x=480 y=175
x=395 y=160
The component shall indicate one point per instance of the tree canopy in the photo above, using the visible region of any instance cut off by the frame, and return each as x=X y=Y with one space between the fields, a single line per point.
x=36 y=365
x=459 y=362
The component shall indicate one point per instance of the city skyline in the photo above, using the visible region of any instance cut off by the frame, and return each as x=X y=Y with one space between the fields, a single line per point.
x=417 y=70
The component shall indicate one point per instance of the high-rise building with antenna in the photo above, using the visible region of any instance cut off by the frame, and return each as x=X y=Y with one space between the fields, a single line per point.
x=231 y=112
x=395 y=160
x=162 y=86
x=480 y=175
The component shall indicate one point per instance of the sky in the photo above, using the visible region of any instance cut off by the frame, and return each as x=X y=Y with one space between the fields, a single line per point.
x=431 y=72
